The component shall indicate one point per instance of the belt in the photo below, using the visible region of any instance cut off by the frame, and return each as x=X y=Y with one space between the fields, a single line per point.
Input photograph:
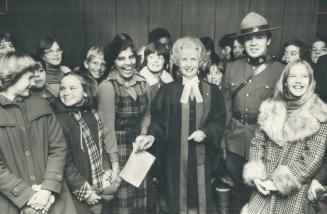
x=245 y=118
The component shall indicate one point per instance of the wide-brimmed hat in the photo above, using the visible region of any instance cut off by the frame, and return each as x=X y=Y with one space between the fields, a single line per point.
x=254 y=23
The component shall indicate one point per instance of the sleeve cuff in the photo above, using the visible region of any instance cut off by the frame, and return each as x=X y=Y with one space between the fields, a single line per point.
x=254 y=170
x=285 y=181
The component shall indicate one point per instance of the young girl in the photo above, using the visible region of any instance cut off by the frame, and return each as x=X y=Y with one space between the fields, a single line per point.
x=295 y=50
x=33 y=149
x=289 y=145
x=94 y=63
x=156 y=58
x=39 y=86
x=83 y=132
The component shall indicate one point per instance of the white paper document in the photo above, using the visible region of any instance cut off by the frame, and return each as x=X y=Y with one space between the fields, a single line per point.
x=136 y=167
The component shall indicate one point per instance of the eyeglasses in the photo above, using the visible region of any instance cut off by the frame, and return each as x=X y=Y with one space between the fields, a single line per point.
x=51 y=51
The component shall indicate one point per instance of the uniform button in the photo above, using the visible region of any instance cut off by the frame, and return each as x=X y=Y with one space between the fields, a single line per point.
x=233 y=84
x=16 y=189
x=32 y=177
x=59 y=176
x=267 y=86
x=253 y=67
x=247 y=94
x=246 y=109
x=250 y=80
x=27 y=153
x=22 y=128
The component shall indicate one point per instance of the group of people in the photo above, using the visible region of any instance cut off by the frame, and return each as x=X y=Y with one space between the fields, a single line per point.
x=247 y=133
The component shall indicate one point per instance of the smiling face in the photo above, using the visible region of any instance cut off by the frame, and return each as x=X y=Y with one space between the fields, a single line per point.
x=298 y=80
x=125 y=63
x=23 y=85
x=291 y=53
x=189 y=62
x=96 y=66
x=53 y=55
x=40 y=77
x=256 y=45
x=6 y=46
x=71 y=91
x=155 y=62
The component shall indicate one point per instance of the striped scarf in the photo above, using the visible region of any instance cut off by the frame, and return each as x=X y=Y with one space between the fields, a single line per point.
x=95 y=154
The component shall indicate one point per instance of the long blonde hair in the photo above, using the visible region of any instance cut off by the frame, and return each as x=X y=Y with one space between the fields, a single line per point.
x=281 y=84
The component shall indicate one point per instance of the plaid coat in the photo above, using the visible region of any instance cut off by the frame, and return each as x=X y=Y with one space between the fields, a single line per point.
x=288 y=149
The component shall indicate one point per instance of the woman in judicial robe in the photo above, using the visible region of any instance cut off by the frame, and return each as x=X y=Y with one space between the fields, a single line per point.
x=187 y=122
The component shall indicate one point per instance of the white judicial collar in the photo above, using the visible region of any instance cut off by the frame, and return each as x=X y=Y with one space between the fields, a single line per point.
x=188 y=85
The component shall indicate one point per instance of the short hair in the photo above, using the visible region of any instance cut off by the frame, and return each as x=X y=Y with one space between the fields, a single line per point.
x=160 y=49
x=94 y=51
x=4 y=36
x=304 y=49
x=281 y=86
x=227 y=40
x=242 y=39
x=89 y=84
x=185 y=43
x=321 y=39
x=44 y=44
x=12 y=66
x=158 y=33
x=120 y=43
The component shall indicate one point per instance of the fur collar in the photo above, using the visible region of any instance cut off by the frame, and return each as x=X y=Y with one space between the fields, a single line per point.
x=282 y=127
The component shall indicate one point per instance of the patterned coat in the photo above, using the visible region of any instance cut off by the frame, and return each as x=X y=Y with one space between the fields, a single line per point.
x=288 y=149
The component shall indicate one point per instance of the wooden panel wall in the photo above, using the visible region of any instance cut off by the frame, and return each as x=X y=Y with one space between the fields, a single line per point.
x=79 y=24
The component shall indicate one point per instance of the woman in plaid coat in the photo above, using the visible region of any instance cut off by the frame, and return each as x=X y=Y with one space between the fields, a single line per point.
x=123 y=103
x=289 y=144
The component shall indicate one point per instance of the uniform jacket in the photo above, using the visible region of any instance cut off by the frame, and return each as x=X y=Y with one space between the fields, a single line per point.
x=247 y=100
x=288 y=149
x=32 y=151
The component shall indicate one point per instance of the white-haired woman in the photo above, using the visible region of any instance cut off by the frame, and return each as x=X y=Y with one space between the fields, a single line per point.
x=289 y=144
x=188 y=119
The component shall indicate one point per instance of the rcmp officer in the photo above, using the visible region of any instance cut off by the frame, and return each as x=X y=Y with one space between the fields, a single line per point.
x=248 y=81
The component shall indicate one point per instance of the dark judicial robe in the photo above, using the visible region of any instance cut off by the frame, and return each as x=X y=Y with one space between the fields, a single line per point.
x=188 y=166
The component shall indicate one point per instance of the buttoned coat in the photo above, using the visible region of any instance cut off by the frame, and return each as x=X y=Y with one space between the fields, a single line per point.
x=32 y=151
x=288 y=149
x=247 y=101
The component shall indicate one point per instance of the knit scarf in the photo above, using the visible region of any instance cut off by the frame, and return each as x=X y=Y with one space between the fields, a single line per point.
x=95 y=154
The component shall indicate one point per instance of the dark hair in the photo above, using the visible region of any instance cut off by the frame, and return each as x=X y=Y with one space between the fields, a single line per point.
x=89 y=84
x=209 y=44
x=158 y=33
x=226 y=40
x=120 y=43
x=242 y=38
x=160 y=49
x=44 y=44
x=304 y=49
x=321 y=39
x=6 y=37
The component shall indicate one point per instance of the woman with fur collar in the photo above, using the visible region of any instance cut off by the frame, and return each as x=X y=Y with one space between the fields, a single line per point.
x=289 y=144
